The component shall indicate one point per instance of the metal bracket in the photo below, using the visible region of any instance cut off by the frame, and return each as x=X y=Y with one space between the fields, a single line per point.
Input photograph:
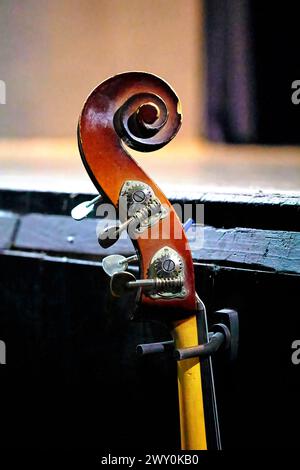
x=223 y=337
x=155 y=348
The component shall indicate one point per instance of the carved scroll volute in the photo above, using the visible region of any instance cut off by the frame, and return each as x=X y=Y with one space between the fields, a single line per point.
x=142 y=111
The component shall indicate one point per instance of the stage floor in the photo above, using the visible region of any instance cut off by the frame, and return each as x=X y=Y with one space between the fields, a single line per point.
x=181 y=167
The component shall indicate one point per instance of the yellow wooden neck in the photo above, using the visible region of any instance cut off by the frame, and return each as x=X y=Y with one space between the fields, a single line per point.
x=191 y=409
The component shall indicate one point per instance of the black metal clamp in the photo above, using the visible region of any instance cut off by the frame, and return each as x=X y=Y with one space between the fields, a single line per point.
x=154 y=348
x=223 y=336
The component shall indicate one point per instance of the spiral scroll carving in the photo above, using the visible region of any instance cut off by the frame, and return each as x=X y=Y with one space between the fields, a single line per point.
x=145 y=123
x=149 y=120
x=142 y=111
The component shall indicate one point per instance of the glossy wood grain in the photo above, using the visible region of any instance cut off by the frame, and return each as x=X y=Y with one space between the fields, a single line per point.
x=109 y=164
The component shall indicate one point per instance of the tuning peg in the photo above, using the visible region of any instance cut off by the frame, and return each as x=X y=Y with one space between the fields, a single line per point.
x=111 y=234
x=119 y=283
x=123 y=281
x=116 y=263
x=83 y=209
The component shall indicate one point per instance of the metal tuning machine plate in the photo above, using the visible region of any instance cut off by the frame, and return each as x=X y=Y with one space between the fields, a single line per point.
x=138 y=207
x=165 y=277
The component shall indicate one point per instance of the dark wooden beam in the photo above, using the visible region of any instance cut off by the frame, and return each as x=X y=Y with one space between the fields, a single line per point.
x=8 y=224
x=225 y=210
x=249 y=248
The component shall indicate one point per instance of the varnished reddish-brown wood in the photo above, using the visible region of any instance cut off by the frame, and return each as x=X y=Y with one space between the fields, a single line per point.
x=110 y=165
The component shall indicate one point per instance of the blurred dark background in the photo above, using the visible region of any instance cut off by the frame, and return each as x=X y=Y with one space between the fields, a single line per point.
x=252 y=61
